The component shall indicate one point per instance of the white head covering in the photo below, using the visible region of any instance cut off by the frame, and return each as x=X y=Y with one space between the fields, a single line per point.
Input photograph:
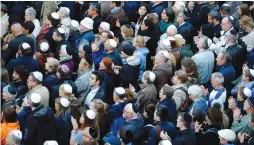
x=74 y=24
x=17 y=133
x=50 y=142
x=90 y=114
x=61 y=30
x=67 y=88
x=55 y=15
x=112 y=43
x=152 y=76
x=247 y=92
x=64 y=102
x=87 y=22
x=120 y=90
x=252 y=72
x=105 y=26
x=227 y=134
x=44 y=46
x=35 y=98
x=25 y=45
x=38 y=75
x=165 y=142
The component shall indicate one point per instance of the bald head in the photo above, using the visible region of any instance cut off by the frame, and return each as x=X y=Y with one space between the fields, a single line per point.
x=226 y=23
x=16 y=29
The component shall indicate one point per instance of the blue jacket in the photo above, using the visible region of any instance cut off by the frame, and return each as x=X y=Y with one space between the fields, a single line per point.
x=89 y=36
x=187 y=31
x=116 y=58
x=228 y=72
x=198 y=106
x=249 y=85
x=115 y=110
x=185 y=137
x=157 y=9
x=63 y=128
x=28 y=61
x=98 y=56
x=116 y=125
x=141 y=53
x=250 y=59
x=50 y=80
x=172 y=112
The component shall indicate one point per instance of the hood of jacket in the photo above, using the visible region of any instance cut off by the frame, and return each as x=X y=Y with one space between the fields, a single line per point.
x=143 y=51
x=133 y=61
x=41 y=111
x=165 y=67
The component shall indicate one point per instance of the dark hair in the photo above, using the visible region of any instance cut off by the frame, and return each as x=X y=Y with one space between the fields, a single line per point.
x=21 y=70
x=248 y=74
x=184 y=117
x=170 y=14
x=162 y=112
x=214 y=15
x=225 y=8
x=59 y=34
x=54 y=22
x=245 y=9
x=26 y=52
x=109 y=35
x=118 y=3
x=149 y=109
x=150 y=24
x=99 y=76
x=28 y=25
x=142 y=18
x=227 y=57
x=126 y=135
x=190 y=66
x=199 y=116
x=207 y=30
x=10 y=115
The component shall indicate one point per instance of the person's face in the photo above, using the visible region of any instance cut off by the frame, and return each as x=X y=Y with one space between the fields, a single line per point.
x=5 y=97
x=224 y=25
x=210 y=20
x=157 y=60
x=81 y=53
x=62 y=54
x=28 y=17
x=246 y=105
x=175 y=8
x=220 y=60
x=223 y=14
x=161 y=95
x=231 y=103
x=61 y=93
x=92 y=106
x=126 y=113
x=100 y=30
x=213 y=81
x=58 y=75
x=81 y=119
x=30 y=82
x=175 y=80
x=142 y=11
x=179 y=19
x=82 y=65
x=47 y=66
x=91 y=11
x=155 y=117
x=102 y=65
x=54 y=36
x=46 y=21
x=103 y=37
x=190 y=5
x=94 y=47
x=207 y=120
x=164 y=15
x=179 y=122
x=57 y=107
x=199 y=43
x=243 y=26
x=92 y=80
x=222 y=140
x=244 y=78
x=15 y=76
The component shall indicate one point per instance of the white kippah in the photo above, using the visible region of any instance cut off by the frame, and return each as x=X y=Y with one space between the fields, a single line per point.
x=172 y=27
x=165 y=43
x=50 y=142
x=152 y=76
x=120 y=90
x=35 y=98
x=65 y=102
x=61 y=30
x=25 y=45
x=226 y=5
x=90 y=114
x=67 y=88
x=55 y=15
x=179 y=36
x=252 y=72
x=165 y=142
x=38 y=75
x=112 y=43
x=17 y=133
x=105 y=26
x=44 y=46
x=112 y=33
x=247 y=92
x=74 y=23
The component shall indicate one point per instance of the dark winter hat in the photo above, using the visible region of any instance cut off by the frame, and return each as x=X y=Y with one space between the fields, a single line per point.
x=126 y=135
x=87 y=49
x=96 y=6
x=187 y=118
x=4 y=7
x=214 y=115
x=28 y=25
x=251 y=101
x=168 y=90
x=127 y=48
x=89 y=59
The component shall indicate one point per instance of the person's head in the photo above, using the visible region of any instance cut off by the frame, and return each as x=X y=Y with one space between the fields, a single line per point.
x=34 y=79
x=90 y=135
x=246 y=23
x=96 y=78
x=178 y=7
x=171 y=59
x=184 y=121
x=225 y=10
x=181 y=17
x=52 y=64
x=16 y=29
x=30 y=14
x=9 y=93
x=106 y=65
x=164 y=44
x=50 y=142
x=171 y=30
x=52 y=19
x=4 y=76
x=232 y=102
x=63 y=71
x=25 y=49
x=248 y=75
x=148 y=77
x=195 y=92
x=180 y=41
x=231 y=37
x=28 y=27
x=20 y=73
x=149 y=110
x=85 y=63
x=189 y=66
x=65 y=90
x=126 y=31
x=104 y=26
x=213 y=17
x=227 y=23
x=226 y=136
x=180 y=77
x=9 y=115
x=14 y=137
x=147 y=25
x=88 y=119
x=166 y=92
x=4 y=9
x=213 y=116
x=58 y=34
x=125 y=135
x=34 y=100
x=43 y=46
x=94 y=9
x=61 y=106
x=64 y=12
x=99 y=107
x=161 y=113
x=202 y=43
x=86 y=24
x=139 y=42
x=110 y=45
x=206 y=30
x=168 y=15
x=223 y=58
x=114 y=4
x=127 y=49
x=84 y=50
x=217 y=80
x=243 y=9
x=161 y=57
x=143 y=10
x=64 y=51
x=130 y=111
x=105 y=35
x=119 y=94
x=249 y=105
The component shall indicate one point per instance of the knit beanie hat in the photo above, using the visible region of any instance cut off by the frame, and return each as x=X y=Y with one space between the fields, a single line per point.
x=10 y=91
x=127 y=48
x=214 y=115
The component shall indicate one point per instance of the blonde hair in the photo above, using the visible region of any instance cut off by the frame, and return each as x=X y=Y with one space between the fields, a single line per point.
x=246 y=20
x=139 y=41
x=100 y=106
x=179 y=41
x=69 y=96
x=171 y=59
x=127 y=31
x=5 y=76
x=53 y=63
x=62 y=110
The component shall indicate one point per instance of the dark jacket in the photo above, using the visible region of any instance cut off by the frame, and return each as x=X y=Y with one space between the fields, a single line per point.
x=250 y=141
x=50 y=80
x=228 y=72
x=216 y=30
x=50 y=40
x=108 y=85
x=40 y=126
x=199 y=14
x=171 y=105
x=209 y=135
x=22 y=89
x=97 y=21
x=250 y=59
x=88 y=35
x=164 y=73
x=187 y=31
x=130 y=9
x=115 y=111
x=116 y=58
x=13 y=46
x=157 y=9
x=98 y=56
x=63 y=129
x=185 y=137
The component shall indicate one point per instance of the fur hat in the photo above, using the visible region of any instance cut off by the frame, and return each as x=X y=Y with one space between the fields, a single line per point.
x=215 y=115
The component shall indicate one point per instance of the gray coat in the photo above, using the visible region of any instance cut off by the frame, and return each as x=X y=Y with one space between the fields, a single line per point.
x=179 y=95
x=82 y=83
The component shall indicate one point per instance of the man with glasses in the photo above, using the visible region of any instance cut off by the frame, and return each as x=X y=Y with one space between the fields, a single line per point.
x=94 y=13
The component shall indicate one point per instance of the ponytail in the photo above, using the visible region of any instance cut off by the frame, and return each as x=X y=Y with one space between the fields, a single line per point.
x=105 y=108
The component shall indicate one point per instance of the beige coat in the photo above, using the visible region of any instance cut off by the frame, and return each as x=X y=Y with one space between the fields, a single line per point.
x=43 y=91
x=47 y=7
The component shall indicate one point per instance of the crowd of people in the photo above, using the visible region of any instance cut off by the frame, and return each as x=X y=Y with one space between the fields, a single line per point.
x=127 y=73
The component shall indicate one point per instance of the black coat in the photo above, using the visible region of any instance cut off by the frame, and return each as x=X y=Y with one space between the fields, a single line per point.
x=40 y=126
x=209 y=136
x=13 y=46
x=22 y=89
x=50 y=40
x=115 y=111
x=172 y=113
x=250 y=141
x=97 y=21
x=187 y=31
x=185 y=137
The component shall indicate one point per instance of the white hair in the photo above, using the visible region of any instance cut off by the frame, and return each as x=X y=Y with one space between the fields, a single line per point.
x=65 y=11
x=30 y=11
x=14 y=138
x=173 y=27
x=218 y=77
x=195 y=91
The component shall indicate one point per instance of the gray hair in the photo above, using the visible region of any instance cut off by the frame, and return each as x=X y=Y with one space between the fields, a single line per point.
x=14 y=138
x=65 y=11
x=30 y=11
x=226 y=56
x=218 y=77
x=164 y=55
x=195 y=91
x=149 y=76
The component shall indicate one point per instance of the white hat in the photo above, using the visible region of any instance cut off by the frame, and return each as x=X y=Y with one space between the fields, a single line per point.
x=247 y=92
x=55 y=15
x=61 y=30
x=17 y=133
x=112 y=43
x=50 y=142
x=112 y=33
x=165 y=44
x=44 y=46
x=25 y=45
x=35 y=98
x=87 y=22
x=179 y=36
x=74 y=24
x=151 y=76
x=105 y=26
x=227 y=134
x=67 y=88
x=120 y=90
x=90 y=114
x=252 y=72
x=165 y=142
x=38 y=75
x=171 y=38
x=64 y=102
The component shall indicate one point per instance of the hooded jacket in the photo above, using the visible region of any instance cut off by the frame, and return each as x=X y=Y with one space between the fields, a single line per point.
x=164 y=73
x=141 y=53
x=5 y=128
